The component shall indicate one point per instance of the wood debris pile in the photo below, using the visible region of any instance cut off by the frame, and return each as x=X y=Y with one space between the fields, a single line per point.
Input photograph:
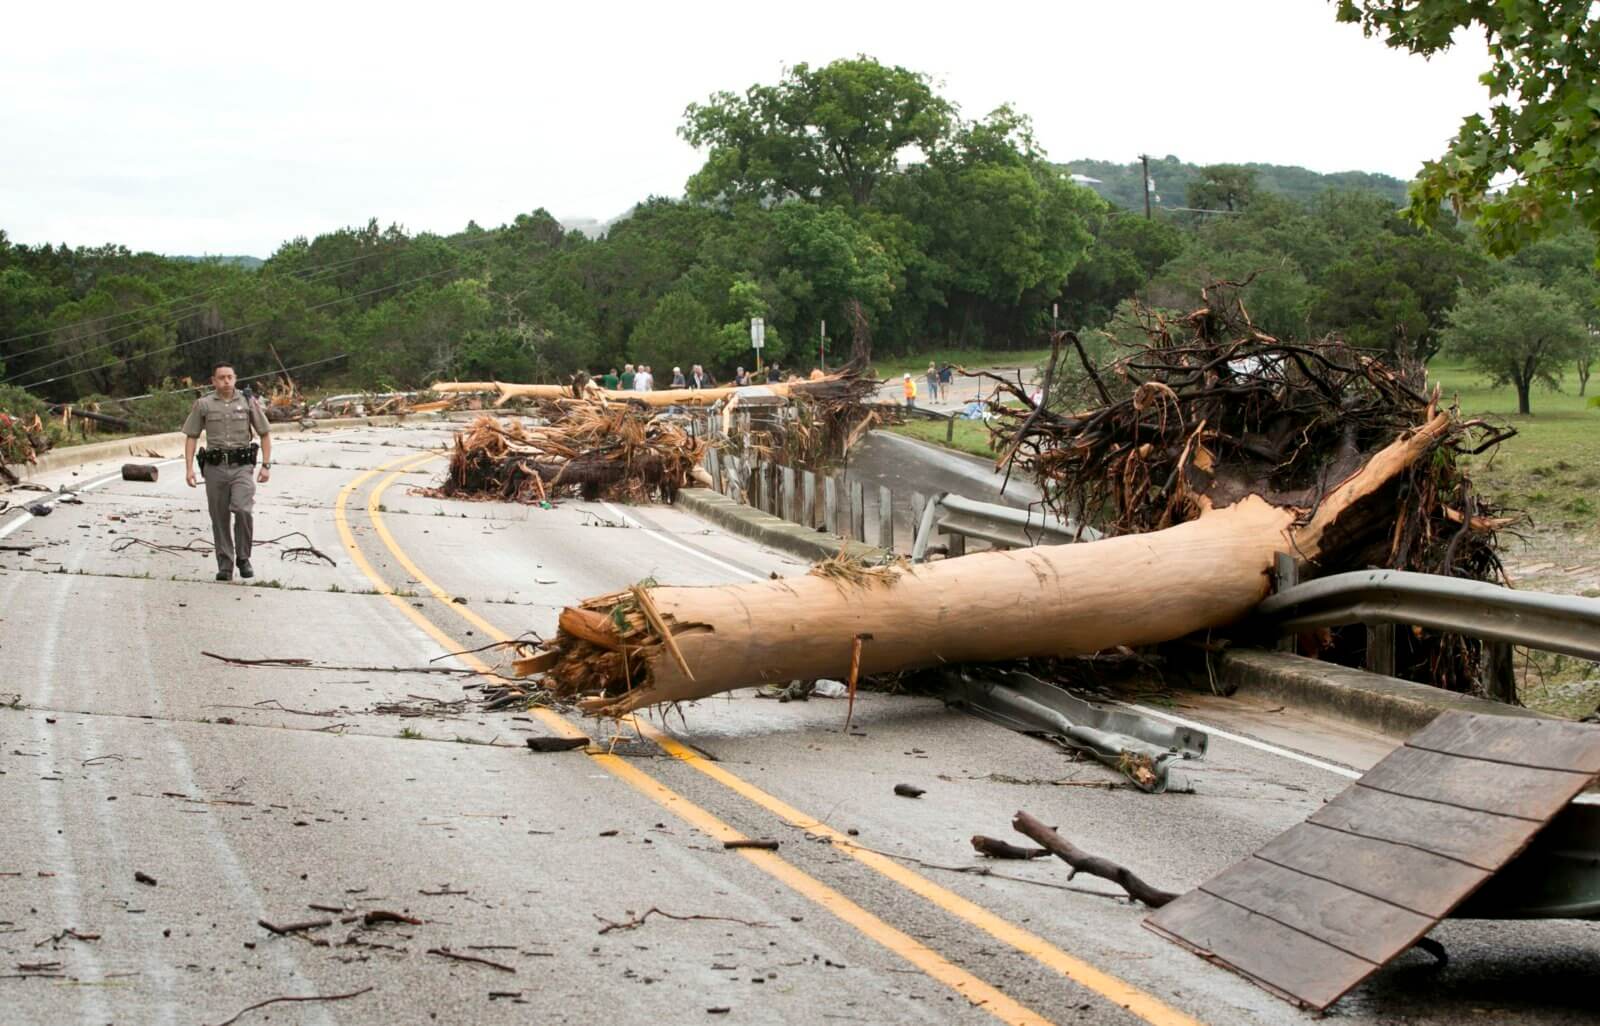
x=21 y=442
x=595 y=452
x=1207 y=410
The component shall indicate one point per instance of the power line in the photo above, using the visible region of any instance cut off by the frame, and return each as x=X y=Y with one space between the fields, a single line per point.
x=237 y=381
x=134 y=313
x=241 y=327
x=107 y=345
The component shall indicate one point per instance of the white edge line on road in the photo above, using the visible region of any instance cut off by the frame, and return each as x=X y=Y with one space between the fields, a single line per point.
x=675 y=543
x=1248 y=742
x=96 y=483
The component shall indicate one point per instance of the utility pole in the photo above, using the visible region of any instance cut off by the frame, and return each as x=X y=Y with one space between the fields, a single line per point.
x=1144 y=158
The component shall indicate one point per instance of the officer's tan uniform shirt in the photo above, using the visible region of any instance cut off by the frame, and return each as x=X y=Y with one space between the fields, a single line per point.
x=226 y=422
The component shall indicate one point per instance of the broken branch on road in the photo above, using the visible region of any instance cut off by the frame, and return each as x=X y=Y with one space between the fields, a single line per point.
x=1082 y=862
x=278 y=1000
x=637 y=921
x=447 y=953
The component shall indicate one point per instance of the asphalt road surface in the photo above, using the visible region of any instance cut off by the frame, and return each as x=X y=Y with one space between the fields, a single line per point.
x=591 y=885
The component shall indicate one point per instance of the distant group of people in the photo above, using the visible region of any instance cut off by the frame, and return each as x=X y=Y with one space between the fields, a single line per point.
x=939 y=380
x=642 y=379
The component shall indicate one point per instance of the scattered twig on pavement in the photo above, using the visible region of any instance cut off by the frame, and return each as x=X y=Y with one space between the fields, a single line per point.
x=140 y=876
x=282 y=931
x=273 y=1001
x=447 y=953
x=995 y=848
x=128 y=541
x=749 y=843
x=1083 y=862
x=527 y=638
x=638 y=921
x=308 y=664
x=68 y=934
x=979 y=871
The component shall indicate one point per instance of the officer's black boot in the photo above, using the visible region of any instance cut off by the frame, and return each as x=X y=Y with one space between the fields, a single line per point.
x=245 y=569
x=224 y=575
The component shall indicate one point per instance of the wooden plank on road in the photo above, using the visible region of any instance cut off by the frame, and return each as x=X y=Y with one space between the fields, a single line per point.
x=1327 y=903
x=1544 y=744
x=1469 y=783
x=1466 y=835
x=1354 y=923
x=1411 y=878
x=1293 y=965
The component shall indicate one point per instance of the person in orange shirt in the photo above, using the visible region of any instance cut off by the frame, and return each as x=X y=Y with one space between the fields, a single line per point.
x=911 y=391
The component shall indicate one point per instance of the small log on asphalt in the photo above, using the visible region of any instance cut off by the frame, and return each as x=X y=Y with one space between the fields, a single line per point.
x=1082 y=862
x=140 y=471
x=908 y=791
x=557 y=744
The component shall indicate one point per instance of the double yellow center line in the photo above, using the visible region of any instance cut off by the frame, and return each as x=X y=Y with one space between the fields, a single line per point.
x=975 y=990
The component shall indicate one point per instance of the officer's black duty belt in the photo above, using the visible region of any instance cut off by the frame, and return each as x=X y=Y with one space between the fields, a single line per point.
x=245 y=455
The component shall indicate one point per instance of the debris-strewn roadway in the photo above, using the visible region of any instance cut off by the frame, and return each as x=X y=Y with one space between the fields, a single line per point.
x=158 y=805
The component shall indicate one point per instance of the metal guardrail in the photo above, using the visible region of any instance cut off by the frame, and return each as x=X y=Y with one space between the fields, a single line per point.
x=1551 y=623
x=1002 y=526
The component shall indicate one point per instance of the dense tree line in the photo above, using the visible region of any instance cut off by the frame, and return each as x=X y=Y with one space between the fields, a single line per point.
x=851 y=194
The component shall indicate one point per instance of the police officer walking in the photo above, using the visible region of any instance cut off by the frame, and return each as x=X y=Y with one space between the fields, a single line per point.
x=226 y=463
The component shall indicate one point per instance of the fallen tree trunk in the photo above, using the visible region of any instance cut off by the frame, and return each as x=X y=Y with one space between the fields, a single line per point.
x=662 y=397
x=1055 y=600
x=1223 y=450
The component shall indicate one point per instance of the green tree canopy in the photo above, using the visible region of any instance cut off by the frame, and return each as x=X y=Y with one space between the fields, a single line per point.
x=1517 y=333
x=1223 y=187
x=1543 y=126
x=827 y=133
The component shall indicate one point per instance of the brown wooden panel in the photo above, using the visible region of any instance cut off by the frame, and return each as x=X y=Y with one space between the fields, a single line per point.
x=1296 y=966
x=1547 y=744
x=1355 y=923
x=1535 y=794
x=1425 y=883
x=1484 y=840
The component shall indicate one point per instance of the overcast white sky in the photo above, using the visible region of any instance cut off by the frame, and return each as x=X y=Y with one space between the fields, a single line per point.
x=227 y=128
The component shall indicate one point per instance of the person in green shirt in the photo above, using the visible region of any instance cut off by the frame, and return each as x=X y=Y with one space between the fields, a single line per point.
x=626 y=381
x=609 y=379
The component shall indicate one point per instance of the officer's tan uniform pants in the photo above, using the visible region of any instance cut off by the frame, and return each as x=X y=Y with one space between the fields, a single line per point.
x=231 y=489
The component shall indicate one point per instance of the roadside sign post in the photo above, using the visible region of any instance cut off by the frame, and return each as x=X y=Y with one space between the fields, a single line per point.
x=822 y=347
x=758 y=338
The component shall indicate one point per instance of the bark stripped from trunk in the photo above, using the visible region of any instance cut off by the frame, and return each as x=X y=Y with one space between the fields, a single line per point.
x=1205 y=456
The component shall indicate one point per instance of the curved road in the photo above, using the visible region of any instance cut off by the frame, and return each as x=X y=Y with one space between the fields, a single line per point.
x=596 y=883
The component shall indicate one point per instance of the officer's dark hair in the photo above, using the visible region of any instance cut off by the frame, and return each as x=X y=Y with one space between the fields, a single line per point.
x=219 y=365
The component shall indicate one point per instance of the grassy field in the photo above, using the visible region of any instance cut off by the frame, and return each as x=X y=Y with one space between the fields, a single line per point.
x=1551 y=469
x=1551 y=472
x=970 y=436
x=894 y=366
